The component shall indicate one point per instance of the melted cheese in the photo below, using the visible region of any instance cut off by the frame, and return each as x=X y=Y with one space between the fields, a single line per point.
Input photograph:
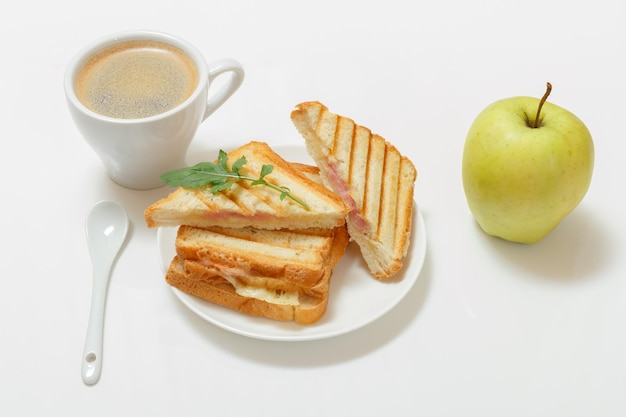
x=263 y=294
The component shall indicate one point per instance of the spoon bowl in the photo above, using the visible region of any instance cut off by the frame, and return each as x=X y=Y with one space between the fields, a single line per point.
x=106 y=227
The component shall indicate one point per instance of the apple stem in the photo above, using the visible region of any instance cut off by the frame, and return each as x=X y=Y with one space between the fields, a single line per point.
x=543 y=100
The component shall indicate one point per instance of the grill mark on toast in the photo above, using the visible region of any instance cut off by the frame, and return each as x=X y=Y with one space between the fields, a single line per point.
x=399 y=231
x=406 y=181
x=343 y=149
x=389 y=196
x=365 y=205
x=335 y=135
x=248 y=197
x=214 y=205
x=373 y=185
x=360 y=152
x=318 y=122
x=382 y=206
x=262 y=195
x=242 y=193
x=351 y=159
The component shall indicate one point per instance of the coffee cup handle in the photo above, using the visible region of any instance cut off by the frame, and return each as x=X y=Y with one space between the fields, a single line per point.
x=217 y=68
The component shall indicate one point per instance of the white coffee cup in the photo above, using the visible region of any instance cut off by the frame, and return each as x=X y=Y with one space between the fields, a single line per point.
x=137 y=148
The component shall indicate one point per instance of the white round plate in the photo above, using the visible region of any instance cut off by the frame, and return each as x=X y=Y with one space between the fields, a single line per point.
x=351 y=283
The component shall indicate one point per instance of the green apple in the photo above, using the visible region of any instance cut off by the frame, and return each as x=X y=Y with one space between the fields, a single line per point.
x=527 y=164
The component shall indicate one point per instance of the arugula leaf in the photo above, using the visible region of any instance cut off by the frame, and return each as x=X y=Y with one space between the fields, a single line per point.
x=220 y=178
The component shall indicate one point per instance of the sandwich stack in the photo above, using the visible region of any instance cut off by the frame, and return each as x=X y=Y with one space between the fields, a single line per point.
x=275 y=258
x=278 y=274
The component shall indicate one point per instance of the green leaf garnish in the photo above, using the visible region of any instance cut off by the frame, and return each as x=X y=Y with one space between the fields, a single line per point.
x=220 y=178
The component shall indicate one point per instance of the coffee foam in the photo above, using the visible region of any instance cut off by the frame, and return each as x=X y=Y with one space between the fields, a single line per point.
x=136 y=79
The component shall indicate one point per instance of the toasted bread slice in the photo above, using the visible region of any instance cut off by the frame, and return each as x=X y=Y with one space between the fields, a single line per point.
x=372 y=178
x=299 y=257
x=245 y=204
x=270 y=286
x=196 y=280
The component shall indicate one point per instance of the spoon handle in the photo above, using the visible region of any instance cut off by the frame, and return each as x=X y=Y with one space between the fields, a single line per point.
x=92 y=352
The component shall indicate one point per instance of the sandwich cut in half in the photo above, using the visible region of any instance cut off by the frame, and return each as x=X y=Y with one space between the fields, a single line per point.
x=246 y=203
x=372 y=178
x=277 y=274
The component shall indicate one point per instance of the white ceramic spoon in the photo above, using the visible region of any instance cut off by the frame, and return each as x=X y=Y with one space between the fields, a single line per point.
x=106 y=226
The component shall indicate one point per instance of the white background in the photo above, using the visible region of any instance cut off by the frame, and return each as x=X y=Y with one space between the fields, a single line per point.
x=490 y=328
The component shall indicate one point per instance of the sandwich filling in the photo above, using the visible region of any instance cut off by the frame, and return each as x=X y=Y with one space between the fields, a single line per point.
x=263 y=293
x=270 y=296
x=341 y=187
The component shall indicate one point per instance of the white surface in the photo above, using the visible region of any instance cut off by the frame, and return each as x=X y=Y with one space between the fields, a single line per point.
x=350 y=284
x=489 y=329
